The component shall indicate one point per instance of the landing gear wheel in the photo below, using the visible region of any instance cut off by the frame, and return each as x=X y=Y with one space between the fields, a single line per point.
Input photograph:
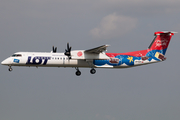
x=92 y=71
x=78 y=73
x=10 y=69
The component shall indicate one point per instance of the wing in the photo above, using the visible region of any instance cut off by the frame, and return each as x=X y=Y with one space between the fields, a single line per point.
x=97 y=50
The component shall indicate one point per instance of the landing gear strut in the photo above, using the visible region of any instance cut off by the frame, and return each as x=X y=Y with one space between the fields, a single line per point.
x=10 y=69
x=78 y=72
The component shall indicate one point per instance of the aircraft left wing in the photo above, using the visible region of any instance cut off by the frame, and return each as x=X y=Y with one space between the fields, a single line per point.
x=97 y=50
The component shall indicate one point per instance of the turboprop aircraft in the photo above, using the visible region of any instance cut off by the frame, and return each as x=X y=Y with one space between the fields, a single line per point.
x=94 y=58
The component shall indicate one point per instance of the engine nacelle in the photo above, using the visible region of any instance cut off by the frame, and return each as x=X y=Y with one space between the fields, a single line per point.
x=81 y=54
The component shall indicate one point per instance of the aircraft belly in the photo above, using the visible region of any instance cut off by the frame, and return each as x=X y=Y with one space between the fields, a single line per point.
x=70 y=63
x=82 y=63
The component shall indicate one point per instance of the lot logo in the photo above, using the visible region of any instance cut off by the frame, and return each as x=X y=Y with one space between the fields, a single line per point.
x=38 y=60
x=16 y=60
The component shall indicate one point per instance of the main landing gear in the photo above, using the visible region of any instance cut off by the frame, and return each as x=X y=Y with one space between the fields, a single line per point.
x=78 y=72
x=10 y=69
x=92 y=71
x=91 y=65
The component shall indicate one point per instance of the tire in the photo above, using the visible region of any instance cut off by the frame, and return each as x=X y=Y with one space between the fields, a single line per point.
x=78 y=73
x=10 y=69
x=93 y=71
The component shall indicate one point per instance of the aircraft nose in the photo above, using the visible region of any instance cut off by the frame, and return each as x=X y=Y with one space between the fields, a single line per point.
x=5 y=62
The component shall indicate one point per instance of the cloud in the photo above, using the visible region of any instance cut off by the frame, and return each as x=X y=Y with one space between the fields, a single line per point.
x=113 y=25
x=140 y=7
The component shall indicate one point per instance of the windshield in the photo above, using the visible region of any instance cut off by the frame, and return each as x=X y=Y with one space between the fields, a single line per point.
x=16 y=55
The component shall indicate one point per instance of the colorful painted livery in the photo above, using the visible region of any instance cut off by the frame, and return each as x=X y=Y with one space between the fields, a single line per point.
x=94 y=58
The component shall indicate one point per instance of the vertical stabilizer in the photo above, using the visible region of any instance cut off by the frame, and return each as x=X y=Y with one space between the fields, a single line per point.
x=161 y=41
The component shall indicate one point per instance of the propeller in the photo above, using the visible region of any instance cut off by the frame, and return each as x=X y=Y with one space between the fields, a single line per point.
x=68 y=51
x=54 y=49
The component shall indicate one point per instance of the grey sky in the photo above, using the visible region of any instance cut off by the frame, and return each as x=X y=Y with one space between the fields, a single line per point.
x=140 y=93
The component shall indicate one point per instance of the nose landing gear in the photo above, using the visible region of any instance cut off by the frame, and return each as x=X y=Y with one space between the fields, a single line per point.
x=10 y=69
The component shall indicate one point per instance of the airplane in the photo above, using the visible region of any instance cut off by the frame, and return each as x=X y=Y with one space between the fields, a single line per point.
x=94 y=58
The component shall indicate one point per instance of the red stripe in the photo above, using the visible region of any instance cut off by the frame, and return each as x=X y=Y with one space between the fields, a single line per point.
x=134 y=53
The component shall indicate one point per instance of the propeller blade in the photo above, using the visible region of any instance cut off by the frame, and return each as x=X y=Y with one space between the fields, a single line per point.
x=68 y=51
x=68 y=46
x=54 y=49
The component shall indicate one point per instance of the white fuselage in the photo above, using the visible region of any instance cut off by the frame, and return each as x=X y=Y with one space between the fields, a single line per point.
x=43 y=60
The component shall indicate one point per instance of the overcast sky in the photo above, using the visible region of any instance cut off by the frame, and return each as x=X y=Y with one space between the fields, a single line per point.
x=148 y=92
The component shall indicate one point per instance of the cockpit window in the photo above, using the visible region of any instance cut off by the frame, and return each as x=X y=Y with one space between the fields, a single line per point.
x=16 y=55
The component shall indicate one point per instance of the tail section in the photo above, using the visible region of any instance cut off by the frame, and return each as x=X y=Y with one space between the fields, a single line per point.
x=155 y=53
x=156 y=50
x=161 y=41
